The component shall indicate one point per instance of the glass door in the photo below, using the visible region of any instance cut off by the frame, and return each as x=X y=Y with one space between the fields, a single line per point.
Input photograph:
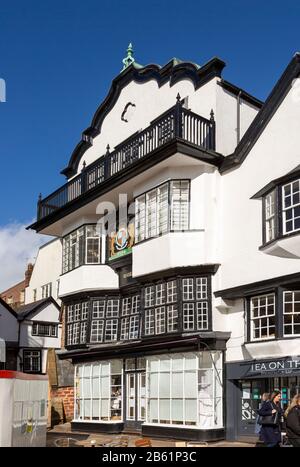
x=131 y=396
x=135 y=378
x=250 y=399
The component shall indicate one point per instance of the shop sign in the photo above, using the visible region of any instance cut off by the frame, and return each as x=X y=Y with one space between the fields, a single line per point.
x=121 y=242
x=284 y=366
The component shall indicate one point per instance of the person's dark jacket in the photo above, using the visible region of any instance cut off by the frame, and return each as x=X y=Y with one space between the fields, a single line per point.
x=270 y=434
x=293 y=423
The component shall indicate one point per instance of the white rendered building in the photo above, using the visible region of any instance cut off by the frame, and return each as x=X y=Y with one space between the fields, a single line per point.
x=203 y=276
x=45 y=277
x=28 y=333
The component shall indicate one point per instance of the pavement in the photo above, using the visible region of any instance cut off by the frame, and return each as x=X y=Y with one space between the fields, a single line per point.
x=59 y=433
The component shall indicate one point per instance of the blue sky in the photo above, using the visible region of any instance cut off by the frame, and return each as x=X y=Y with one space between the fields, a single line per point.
x=58 y=59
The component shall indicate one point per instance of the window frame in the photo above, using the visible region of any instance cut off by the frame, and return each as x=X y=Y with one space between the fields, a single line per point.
x=279 y=210
x=142 y=226
x=46 y=290
x=42 y=323
x=80 y=253
x=266 y=316
x=31 y=350
x=293 y=335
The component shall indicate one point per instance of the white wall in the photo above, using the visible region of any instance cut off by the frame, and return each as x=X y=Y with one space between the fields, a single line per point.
x=91 y=277
x=48 y=314
x=8 y=325
x=151 y=101
x=275 y=153
x=47 y=268
x=184 y=248
x=226 y=120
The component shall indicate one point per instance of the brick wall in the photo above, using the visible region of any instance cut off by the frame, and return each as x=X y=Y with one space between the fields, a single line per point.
x=62 y=402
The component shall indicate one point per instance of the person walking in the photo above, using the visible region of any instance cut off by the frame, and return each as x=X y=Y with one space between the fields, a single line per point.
x=265 y=397
x=292 y=415
x=271 y=412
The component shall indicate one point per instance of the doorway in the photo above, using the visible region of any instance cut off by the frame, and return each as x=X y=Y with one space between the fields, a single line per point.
x=135 y=392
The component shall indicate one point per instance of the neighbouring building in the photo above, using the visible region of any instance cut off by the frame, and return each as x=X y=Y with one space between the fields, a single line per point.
x=8 y=337
x=181 y=314
x=44 y=280
x=15 y=295
x=28 y=333
x=40 y=330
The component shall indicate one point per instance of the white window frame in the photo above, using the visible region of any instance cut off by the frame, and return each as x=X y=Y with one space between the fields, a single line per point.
x=156 y=211
x=292 y=314
x=270 y=216
x=259 y=318
x=293 y=193
x=99 y=372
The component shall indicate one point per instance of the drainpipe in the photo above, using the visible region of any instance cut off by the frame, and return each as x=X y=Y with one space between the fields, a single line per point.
x=238 y=118
x=19 y=351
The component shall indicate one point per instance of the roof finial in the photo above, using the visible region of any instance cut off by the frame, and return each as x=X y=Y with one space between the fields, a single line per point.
x=129 y=59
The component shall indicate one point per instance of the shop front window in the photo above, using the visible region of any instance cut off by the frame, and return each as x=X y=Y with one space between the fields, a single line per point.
x=98 y=391
x=185 y=389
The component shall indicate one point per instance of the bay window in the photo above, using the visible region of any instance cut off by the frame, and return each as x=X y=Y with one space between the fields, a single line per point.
x=83 y=246
x=76 y=323
x=98 y=391
x=291 y=207
x=185 y=389
x=162 y=209
x=166 y=311
x=281 y=208
x=130 y=321
x=270 y=216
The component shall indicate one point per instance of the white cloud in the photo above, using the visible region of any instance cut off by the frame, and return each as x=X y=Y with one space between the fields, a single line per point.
x=18 y=247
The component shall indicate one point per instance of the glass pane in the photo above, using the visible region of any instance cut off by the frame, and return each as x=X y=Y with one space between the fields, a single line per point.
x=96 y=387
x=95 y=409
x=164 y=385
x=164 y=410
x=105 y=413
x=153 y=411
x=177 y=385
x=191 y=410
x=177 y=411
x=190 y=384
x=105 y=386
x=153 y=385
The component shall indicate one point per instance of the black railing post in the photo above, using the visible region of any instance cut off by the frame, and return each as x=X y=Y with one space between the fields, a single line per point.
x=107 y=163
x=212 y=131
x=178 y=117
x=39 y=207
x=83 y=178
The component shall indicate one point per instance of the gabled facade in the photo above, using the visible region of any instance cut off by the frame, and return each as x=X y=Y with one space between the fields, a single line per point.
x=40 y=330
x=179 y=289
x=44 y=280
x=28 y=333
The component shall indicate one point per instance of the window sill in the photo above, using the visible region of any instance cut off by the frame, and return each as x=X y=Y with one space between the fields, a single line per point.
x=284 y=246
x=166 y=233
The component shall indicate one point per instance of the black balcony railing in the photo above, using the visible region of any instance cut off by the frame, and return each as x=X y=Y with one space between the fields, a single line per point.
x=175 y=123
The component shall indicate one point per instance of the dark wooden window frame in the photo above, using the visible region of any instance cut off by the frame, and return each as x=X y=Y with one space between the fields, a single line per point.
x=40 y=359
x=278 y=213
x=279 y=317
x=44 y=324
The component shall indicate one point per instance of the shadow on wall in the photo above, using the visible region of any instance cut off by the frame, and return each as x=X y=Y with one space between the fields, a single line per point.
x=57 y=411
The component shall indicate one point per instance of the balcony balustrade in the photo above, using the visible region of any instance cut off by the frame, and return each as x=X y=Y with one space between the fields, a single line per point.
x=177 y=123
